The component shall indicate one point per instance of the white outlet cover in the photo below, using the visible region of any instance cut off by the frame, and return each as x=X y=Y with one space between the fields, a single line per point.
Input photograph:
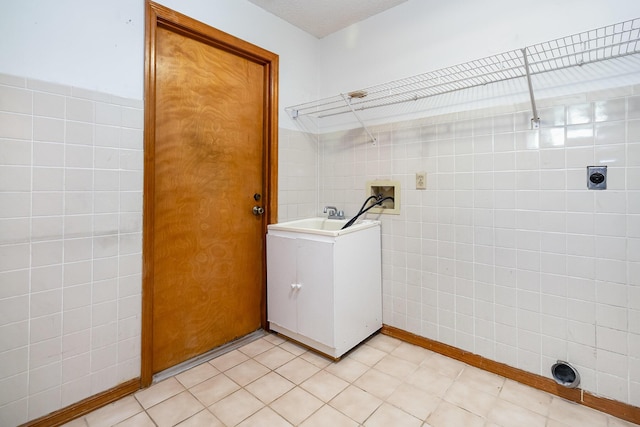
x=421 y=180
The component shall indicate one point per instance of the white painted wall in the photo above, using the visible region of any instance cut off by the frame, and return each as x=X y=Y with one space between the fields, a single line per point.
x=94 y=45
x=425 y=35
x=100 y=45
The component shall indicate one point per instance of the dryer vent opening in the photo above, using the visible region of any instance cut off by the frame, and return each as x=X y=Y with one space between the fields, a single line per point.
x=565 y=374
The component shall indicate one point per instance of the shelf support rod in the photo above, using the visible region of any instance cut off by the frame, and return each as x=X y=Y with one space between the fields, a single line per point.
x=293 y=113
x=535 y=120
x=346 y=100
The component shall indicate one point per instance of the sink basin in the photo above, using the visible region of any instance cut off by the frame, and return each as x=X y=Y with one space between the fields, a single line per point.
x=322 y=226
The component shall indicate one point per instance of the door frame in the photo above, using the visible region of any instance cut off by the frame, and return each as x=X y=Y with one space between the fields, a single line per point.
x=158 y=16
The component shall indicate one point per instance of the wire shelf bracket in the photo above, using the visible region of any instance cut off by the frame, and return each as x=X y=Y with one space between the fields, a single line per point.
x=612 y=41
x=535 y=120
x=347 y=100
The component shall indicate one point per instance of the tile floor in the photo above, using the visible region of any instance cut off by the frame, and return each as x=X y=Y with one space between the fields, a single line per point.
x=385 y=382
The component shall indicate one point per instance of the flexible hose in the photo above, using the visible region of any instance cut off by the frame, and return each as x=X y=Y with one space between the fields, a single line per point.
x=362 y=210
x=352 y=220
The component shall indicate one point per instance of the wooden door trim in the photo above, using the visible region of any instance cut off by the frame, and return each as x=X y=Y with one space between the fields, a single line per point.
x=158 y=16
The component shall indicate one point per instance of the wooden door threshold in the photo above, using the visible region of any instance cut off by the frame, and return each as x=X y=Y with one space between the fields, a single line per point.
x=205 y=357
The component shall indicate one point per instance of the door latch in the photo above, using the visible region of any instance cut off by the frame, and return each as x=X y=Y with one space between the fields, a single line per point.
x=258 y=210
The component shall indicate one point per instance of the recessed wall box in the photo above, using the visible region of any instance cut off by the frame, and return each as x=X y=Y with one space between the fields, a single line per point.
x=597 y=177
x=385 y=188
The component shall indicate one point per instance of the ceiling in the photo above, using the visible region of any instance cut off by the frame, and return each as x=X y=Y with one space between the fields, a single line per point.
x=323 y=17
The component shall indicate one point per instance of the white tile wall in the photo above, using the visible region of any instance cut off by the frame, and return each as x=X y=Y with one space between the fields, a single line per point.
x=70 y=245
x=297 y=175
x=507 y=254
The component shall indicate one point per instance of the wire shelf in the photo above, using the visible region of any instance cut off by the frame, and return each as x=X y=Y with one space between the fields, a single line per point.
x=601 y=44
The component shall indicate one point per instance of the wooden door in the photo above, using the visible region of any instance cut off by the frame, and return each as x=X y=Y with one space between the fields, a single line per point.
x=210 y=151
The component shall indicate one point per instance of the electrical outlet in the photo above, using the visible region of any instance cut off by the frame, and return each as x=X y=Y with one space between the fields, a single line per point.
x=421 y=181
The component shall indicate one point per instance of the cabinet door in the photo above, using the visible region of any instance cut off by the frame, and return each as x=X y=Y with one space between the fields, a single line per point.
x=281 y=274
x=315 y=296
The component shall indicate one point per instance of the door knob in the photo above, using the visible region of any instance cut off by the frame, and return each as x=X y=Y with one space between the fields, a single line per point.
x=258 y=210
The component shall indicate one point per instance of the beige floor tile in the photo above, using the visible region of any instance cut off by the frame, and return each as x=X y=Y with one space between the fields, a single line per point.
x=139 y=420
x=414 y=401
x=347 y=369
x=256 y=347
x=481 y=380
x=296 y=405
x=274 y=358
x=377 y=383
x=506 y=414
x=214 y=389
x=270 y=387
x=469 y=398
x=526 y=397
x=356 y=403
x=203 y=418
x=443 y=365
x=368 y=355
x=612 y=422
x=387 y=415
x=114 y=413
x=449 y=415
x=247 y=372
x=229 y=360
x=554 y=423
x=324 y=386
x=197 y=374
x=158 y=392
x=175 y=409
x=266 y=417
x=274 y=339
x=328 y=416
x=297 y=370
x=617 y=422
x=396 y=367
x=430 y=381
x=573 y=414
x=316 y=359
x=293 y=348
x=411 y=353
x=384 y=382
x=78 y=422
x=384 y=342
x=236 y=407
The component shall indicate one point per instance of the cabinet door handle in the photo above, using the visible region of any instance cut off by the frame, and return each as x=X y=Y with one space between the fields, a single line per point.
x=296 y=286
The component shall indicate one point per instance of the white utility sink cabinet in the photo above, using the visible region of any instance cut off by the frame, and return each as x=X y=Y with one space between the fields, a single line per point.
x=324 y=290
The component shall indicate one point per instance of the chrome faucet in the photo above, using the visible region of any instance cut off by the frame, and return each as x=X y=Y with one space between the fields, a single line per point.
x=334 y=213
